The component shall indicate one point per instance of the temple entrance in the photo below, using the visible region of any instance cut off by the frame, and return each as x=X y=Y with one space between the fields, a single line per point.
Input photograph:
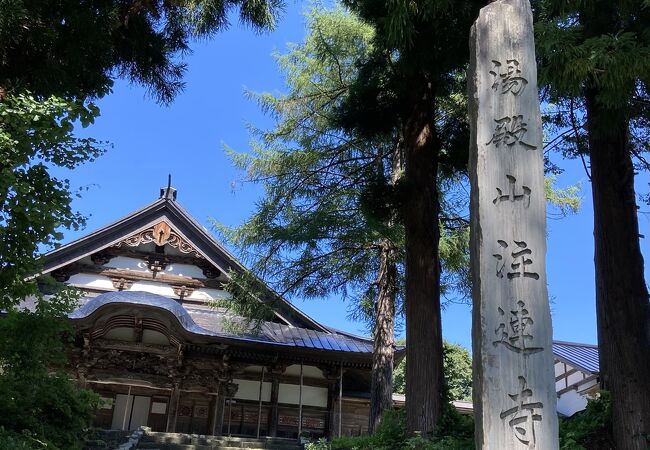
x=131 y=412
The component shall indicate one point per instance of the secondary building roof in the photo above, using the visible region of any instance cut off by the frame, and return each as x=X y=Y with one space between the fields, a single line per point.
x=581 y=356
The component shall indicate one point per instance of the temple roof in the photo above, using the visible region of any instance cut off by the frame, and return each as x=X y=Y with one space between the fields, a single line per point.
x=581 y=356
x=168 y=210
x=212 y=323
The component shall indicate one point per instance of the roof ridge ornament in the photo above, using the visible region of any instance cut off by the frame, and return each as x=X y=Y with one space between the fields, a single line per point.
x=169 y=191
x=161 y=234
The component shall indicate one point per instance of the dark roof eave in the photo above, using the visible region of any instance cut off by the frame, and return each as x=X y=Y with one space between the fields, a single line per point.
x=194 y=334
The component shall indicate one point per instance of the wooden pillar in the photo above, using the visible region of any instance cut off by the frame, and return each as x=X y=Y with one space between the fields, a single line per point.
x=300 y=403
x=221 y=406
x=172 y=411
x=259 y=410
x=341 y=399
x=127 y=409
x=227 y=390
x=214 y=410
x=273 y=416
x=331 y=410
x=229 y=401
x=333 y=376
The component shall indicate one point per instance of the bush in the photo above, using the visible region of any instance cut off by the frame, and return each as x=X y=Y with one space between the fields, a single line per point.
x=14 y=441
x=40 y=407
x=590 y=429
x=455 y=432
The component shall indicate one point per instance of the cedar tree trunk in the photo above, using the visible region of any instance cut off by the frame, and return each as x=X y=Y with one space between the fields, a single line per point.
x=424 y=374
x=622 y=307
x=381 y=388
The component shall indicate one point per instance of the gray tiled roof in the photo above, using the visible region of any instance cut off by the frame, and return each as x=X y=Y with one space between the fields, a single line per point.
x=582 y=356
x=209 y=322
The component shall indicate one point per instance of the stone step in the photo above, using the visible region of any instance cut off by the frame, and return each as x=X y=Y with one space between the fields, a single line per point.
x=157 y=446
x=180 y=441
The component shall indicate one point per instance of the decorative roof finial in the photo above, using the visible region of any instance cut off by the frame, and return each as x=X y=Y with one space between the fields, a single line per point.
x=165 y=193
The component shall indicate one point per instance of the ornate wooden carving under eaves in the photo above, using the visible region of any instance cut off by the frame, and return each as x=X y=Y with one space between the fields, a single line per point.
x=157 y=263
x=101 y=258
x=161 y=234
x=145 y=363
x=121 y=284
x=182 y=291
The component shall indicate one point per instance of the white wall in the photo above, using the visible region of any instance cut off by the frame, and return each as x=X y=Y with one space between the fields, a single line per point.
x=311 y=396
x=307 y=371
x=91 y=281
x=571 y=402
x=123 y=262
x=250 y=390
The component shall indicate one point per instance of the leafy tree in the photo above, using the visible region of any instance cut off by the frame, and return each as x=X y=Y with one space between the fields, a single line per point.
x=320 y=229
x=595 y=66
x=457 y=366
x=314 y=233
x=35 y=134
x=75 y=49
x=411 y=82
x=39 y=406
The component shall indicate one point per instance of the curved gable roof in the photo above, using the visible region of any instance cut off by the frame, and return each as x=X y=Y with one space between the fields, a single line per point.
x=210 y=323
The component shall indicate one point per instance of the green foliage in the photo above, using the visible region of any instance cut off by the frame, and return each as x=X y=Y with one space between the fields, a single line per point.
x=457 y=363
x=599 y=45
x=330 y=195
x=390 y=434
x=590 y=429
x=75 y=49
x=417 y=46
x=565 y=200
x=36 y=134
x=40 y=407
x=455 y=432
x=321 y=444
x=317 y=230
x=18 y=441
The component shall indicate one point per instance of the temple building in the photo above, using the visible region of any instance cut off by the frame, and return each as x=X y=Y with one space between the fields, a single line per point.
x=577 y=375
x=151 y=342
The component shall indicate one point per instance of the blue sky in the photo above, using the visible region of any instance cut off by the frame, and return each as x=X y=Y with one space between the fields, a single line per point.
x=186 y=139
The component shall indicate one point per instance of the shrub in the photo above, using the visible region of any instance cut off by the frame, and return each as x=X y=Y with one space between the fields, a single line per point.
x=590 y=429
x=455 y=432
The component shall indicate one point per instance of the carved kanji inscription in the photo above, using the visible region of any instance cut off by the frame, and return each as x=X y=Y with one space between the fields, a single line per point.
x=510 y=131
x=513 y=261
x=510 y=194
x=514 y=330
x=522 y=417
x=507 y=77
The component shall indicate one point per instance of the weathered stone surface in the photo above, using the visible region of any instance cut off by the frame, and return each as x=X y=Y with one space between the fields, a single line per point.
x=514 y=384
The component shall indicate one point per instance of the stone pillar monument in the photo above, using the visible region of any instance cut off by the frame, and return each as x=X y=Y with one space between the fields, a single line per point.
x=514 y=381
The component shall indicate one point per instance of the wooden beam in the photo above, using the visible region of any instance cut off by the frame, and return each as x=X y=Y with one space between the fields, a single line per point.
x=137 y=275
x=566 y=374
x=576 y=385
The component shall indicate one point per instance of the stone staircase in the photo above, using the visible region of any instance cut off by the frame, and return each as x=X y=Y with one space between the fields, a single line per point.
x=177 y=441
